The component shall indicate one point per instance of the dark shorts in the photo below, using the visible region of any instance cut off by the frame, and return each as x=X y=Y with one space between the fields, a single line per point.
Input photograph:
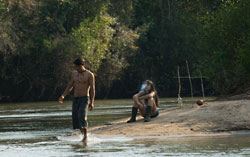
x=156 y=114
x=79 y=112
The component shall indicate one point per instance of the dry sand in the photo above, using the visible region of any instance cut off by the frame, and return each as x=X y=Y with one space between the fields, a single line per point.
x=211 y=117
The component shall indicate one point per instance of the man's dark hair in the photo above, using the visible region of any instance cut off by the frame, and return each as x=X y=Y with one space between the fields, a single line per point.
x=79 y=61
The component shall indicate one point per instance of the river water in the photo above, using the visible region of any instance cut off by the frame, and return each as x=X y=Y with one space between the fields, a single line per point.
x=33 y=129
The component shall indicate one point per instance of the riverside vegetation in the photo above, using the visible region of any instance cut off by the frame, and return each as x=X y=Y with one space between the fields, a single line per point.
x=124 y=42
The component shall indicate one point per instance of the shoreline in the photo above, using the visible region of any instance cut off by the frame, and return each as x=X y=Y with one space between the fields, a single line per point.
x=200 y=135
x=218 y=117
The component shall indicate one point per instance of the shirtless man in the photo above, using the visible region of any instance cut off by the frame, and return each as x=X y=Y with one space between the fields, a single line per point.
x=82 y=81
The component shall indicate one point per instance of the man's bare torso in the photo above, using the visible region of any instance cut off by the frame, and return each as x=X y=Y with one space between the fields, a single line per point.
x=81 y=83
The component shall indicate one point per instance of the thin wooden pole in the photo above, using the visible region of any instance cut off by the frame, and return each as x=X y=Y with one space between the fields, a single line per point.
x=190 y=81
x=180 y=104
x=202 y=87
x=179 y=82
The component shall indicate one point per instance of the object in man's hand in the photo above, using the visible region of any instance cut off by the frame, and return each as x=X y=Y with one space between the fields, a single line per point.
x=60 y=100
x=199 y=102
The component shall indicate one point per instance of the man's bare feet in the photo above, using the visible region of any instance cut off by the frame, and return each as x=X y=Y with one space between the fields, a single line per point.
x=84 y=140
x=85 y=134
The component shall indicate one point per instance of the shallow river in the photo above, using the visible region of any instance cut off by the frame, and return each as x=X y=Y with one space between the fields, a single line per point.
x=33 y=129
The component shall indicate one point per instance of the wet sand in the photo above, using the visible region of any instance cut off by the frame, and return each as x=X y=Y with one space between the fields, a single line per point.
x=190 y=120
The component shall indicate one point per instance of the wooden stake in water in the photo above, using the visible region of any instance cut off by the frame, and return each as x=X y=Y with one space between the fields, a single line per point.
x=179 y=90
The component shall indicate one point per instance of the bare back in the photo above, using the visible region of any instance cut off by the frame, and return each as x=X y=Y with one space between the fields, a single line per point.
x=81 y=83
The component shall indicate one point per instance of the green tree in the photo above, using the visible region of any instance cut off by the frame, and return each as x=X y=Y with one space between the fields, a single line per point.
x=227 y=59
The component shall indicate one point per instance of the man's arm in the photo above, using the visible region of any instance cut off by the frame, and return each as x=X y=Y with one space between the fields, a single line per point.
x=67 y=90
x=92 y=91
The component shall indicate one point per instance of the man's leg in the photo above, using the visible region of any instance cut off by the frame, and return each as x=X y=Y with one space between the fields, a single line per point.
x=84 y=132
x=82 y=117
x=75 y=121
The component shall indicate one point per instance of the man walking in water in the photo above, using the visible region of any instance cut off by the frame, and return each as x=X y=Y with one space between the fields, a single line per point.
x=82 y=80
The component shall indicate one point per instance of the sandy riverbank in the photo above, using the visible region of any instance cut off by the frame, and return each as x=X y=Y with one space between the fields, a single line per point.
x=212 y=117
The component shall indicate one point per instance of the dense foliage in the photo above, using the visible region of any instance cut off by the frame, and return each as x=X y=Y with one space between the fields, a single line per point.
x=124 y=42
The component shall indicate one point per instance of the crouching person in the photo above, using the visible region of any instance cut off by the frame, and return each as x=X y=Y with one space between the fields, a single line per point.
x=147 y=101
